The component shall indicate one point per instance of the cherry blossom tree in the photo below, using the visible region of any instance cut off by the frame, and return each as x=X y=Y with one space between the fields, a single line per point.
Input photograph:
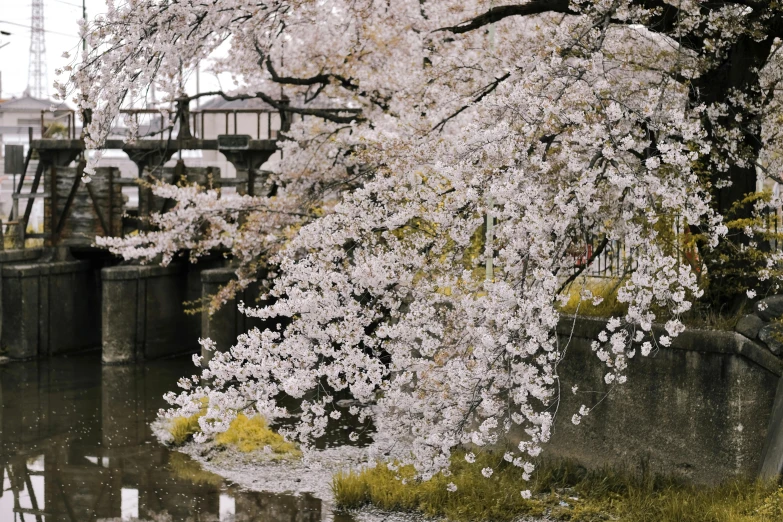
x=417 y=245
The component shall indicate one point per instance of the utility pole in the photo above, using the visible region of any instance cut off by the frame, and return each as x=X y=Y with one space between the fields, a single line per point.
x=198 y=85
x=37 y=76
x=84 y=16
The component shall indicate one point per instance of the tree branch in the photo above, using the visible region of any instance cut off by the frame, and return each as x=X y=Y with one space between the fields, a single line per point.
x=487 y=90
x=495 y=14
x=323 y=79
x=597 y=252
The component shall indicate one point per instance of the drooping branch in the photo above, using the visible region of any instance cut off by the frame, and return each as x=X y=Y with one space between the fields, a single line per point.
x=495 y=14
x=597 y=252
x=486 y=92
x=322 y=79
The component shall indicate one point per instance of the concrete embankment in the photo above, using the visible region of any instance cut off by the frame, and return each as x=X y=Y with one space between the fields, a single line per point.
x=702 y=408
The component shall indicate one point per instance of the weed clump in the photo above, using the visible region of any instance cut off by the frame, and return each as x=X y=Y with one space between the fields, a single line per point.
x=604 y=288
x=563 y=490
x=182 y=429
x=249 y=434
x=246 y=434
x=700 y=316
x=476 y=498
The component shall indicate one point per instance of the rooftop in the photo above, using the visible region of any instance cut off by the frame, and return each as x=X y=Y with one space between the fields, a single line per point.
x=30 y=104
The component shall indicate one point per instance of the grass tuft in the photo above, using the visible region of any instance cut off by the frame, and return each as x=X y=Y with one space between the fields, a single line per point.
x=601 y=287
x=249 y=434
x=700 y=316
x=246 y=434
x=561 y=489
x=182 y=429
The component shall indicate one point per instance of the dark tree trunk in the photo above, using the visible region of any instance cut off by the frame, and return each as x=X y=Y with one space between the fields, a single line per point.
x=738 y=72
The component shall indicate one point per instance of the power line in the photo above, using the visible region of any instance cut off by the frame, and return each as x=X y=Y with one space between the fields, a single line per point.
x=68 y=3
x=27 y=28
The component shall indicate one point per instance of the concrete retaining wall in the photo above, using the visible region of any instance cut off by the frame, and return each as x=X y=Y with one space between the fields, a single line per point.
x=701 y=408
x=49 y=308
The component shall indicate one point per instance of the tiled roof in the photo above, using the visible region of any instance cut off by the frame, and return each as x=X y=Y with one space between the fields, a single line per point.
x=219 y=103
x=254 y=103
x=28 y=103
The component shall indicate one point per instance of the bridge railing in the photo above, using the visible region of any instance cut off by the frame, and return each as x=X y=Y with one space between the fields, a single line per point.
x=65 y=116
x=263 y=119
x=259 y=123
x=208 y=123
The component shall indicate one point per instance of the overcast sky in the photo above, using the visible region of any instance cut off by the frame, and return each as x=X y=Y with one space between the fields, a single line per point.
x=60 y=18
x=61 y=35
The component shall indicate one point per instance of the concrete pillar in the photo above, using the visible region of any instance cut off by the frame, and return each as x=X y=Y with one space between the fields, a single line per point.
x=120 y=328
x=246 y=161
x=224 y=325
x=49 y=308
x=144 y=311
x=227 y=323
x=20 y=311
x=15 y=256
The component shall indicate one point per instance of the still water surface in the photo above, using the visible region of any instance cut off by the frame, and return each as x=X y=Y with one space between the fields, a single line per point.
x=75 y=446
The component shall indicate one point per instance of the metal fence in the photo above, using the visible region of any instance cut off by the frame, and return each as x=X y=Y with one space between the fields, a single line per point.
x=616 y=259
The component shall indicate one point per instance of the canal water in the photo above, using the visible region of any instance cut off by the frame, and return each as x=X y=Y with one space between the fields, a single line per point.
x=75 y=446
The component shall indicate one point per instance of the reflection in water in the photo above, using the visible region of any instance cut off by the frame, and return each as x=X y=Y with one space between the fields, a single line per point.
x=75 y=446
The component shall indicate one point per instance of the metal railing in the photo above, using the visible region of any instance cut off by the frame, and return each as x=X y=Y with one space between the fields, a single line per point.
x=66 y=115
x=233 y=116
x=230 y=121
x=196 y=120
x=615 y=259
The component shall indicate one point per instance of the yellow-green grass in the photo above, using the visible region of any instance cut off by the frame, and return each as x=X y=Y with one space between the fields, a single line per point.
x=604 y=288
x=562 y=489
x=249 y=434
x=246 y=434
x=182 y=429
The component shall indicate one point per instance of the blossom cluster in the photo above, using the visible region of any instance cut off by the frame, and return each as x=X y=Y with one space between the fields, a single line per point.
x=415 y=251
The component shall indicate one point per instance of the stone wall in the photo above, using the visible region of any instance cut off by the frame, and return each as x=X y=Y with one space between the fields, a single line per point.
x=96 y=208
x=700 y=408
